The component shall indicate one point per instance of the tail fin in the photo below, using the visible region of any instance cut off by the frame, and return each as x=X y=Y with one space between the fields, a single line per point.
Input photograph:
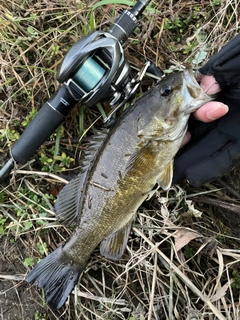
x=57 y=278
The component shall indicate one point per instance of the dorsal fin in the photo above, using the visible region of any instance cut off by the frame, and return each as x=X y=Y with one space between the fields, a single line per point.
x=69 y=201
x=94 y=145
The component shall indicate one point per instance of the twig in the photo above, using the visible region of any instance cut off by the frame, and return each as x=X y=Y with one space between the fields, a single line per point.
x=120 y=302
x=153 y=288
x=223 y=204
x=229 y=189
x=12 y=277
x=40 y=173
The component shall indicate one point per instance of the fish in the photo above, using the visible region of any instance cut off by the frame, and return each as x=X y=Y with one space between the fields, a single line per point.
x=134 y=156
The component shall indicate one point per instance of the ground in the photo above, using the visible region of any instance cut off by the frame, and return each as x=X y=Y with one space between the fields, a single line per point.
x=182 y=258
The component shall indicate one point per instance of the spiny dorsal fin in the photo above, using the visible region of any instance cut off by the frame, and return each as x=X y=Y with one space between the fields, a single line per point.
x=114 y=245
x=165 y=178
x=94 y=145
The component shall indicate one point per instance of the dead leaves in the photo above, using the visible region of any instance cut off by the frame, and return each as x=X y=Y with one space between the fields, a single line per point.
x=183 y=236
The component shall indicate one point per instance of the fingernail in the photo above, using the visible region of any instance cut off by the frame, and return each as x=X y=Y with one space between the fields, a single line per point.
x=217 y=112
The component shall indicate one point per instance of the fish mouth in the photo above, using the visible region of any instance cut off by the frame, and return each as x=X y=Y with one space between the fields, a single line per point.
x=191 y=82
x=191 y=87
x=194 y=88
x=190 y=79
x=193 y=91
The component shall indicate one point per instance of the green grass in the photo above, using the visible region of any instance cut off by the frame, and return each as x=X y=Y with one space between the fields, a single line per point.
x=148 y=282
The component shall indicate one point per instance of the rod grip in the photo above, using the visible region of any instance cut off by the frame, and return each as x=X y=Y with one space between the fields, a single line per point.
x=46 y=121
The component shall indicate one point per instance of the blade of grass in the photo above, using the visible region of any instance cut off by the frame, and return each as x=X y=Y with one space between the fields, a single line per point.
x=106 y=2
x=119 y=2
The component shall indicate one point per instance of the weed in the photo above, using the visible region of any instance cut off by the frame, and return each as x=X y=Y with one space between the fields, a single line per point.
x=137 y=318
x=214 y=3
x=42 y=248
x=46 y=161
x=64 y=161
x=2 y=224
x=55 y=163
x=11 y=135
x=236 y=277
x=189 y=252
x=28 y=262
x=39 y=316
x=29 y=117
x=2 y=197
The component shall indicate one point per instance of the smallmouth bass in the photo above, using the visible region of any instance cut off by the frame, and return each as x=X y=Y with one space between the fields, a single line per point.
x=136 y=154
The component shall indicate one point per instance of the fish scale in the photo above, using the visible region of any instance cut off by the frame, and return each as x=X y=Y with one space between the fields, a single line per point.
x=102 y=200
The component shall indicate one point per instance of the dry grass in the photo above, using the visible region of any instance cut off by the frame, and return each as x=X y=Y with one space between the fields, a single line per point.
x=182 y=258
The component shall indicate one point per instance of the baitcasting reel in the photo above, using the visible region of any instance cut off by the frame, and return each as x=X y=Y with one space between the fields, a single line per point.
x=94 y=69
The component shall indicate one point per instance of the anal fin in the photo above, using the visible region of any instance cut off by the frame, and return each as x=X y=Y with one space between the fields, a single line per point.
x=113 y=246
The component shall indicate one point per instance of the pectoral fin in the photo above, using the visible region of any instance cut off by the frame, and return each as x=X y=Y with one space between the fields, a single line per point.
x=140 y=157
x=165 y=178
x=114 y=245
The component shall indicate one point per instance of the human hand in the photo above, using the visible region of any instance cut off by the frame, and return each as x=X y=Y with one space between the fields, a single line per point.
x=214 y=146
x=210 y=111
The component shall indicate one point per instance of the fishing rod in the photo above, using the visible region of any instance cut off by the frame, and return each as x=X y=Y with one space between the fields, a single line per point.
x=94 y=69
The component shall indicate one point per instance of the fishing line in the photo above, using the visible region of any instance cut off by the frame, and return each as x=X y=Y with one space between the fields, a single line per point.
x=89 y=74
x=211 y=86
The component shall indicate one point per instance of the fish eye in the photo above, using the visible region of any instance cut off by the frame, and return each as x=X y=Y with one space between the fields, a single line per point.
x=166 y=91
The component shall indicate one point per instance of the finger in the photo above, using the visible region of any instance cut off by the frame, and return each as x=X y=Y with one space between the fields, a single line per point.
x=209 y=85
x=186 y=138
x=211 y=111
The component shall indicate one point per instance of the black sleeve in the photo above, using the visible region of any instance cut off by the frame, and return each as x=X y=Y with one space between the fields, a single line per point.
x=214 y=148
x=225 y=65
